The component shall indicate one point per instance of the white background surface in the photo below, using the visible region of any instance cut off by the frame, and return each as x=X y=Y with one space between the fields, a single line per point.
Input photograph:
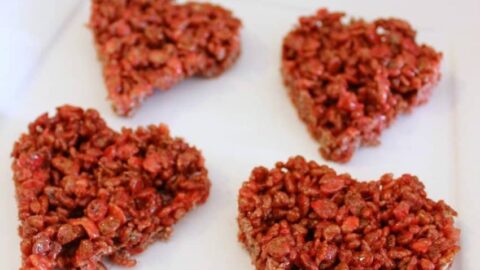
x=244 y=118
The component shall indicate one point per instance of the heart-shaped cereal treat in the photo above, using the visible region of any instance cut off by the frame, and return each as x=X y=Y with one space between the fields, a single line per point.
x=301 y=215
x=148 y=45
x=85 y=191
x=349 y=81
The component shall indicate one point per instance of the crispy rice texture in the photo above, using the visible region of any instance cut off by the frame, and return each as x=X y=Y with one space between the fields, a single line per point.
x=148 y=45
x=301 y=215
x=350 y=80
x=86 y=192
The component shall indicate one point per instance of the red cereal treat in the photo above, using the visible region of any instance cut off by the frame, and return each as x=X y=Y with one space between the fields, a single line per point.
x=148 y=45
x=349 y=81
x=86 y=191
x=301 y=215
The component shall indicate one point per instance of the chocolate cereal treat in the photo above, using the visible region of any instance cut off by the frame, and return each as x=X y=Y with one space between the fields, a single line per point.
x=349 y=81
x=86 y=192
x=301 y=215
x=148 y=45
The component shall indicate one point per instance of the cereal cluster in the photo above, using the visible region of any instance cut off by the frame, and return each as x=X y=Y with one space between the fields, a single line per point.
x=301 y=215
x=85 y=191
x=148 y=45
x=349 y=81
